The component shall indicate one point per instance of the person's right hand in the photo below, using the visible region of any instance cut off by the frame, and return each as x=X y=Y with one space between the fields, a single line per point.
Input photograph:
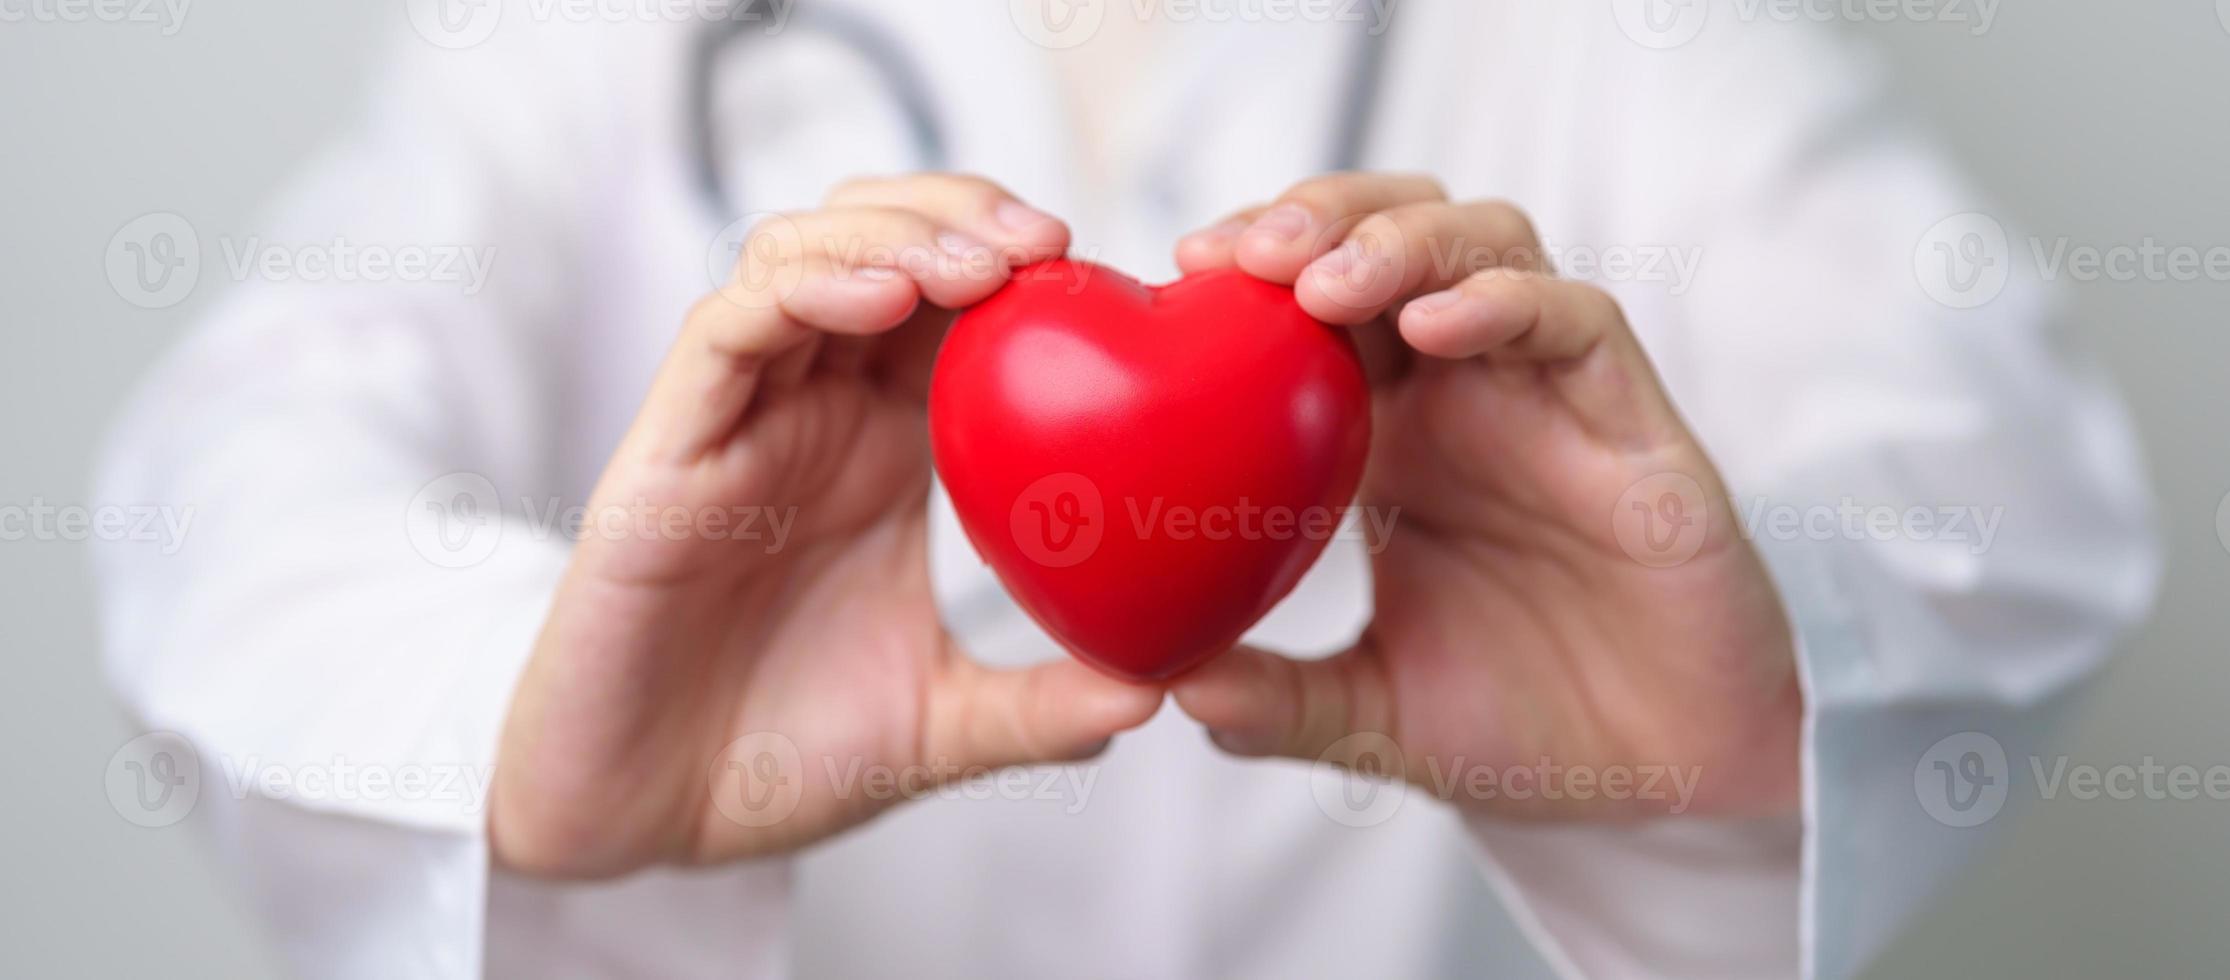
x=682 y=663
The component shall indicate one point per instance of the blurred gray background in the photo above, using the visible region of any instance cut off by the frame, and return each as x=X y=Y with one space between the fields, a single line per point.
x=2099 y=122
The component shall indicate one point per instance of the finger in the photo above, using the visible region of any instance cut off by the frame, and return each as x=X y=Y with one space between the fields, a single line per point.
x=732 y=338
x=903 y=361
x=954 y=268
x=1060 y=711
x=1256 y=703
x=829 y=295
x=1398 y=254
x=970 y=204
x=1316 y=214
x=1216 y=246
x=1011 y=233
x=793 y=366
x=1385 y=358
x=709 y=377
x=844 y=271
x=1577 y=330
x=1513 y=314
x=817 y=269
x=851 y=355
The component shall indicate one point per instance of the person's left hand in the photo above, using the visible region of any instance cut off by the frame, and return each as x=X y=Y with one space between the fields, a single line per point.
x=1563 y=588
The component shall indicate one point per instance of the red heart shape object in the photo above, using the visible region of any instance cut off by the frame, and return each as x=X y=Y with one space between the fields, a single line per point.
x=1148 y=469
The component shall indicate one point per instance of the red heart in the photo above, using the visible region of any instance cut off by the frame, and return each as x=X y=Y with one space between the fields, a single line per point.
x=1148 y=469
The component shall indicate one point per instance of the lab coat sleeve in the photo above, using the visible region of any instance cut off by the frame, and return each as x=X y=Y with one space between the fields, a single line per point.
x=1832 y=367
x=373 y=542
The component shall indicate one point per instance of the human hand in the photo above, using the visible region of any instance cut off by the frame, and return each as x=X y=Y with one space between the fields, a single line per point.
x=1521 y=613
x=679 y=661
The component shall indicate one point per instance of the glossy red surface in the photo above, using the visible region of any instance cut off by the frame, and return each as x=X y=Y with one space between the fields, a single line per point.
x=1147 y=469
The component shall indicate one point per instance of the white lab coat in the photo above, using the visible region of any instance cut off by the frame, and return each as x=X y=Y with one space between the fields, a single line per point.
x=298 y=629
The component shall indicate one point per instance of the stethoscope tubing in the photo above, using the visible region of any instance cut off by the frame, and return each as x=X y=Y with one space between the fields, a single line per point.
x=903 y=79
x=900 y=77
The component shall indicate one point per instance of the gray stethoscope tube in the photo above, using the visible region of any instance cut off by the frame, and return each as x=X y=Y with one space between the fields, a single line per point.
x=904 y=81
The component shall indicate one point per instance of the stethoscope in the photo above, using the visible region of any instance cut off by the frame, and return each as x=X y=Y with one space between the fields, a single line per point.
x=904 y=81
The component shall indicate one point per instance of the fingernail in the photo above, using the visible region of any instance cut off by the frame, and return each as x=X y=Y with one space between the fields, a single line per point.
x=1019 y=217
x=1437 y=302
x=1284 y=223
x=963 y=254
x=1220 y=232
x=957 y=245
x=1337 y=263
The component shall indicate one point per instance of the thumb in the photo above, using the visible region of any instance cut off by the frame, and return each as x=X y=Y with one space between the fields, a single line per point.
x=1256 y=703
x=981 y=718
